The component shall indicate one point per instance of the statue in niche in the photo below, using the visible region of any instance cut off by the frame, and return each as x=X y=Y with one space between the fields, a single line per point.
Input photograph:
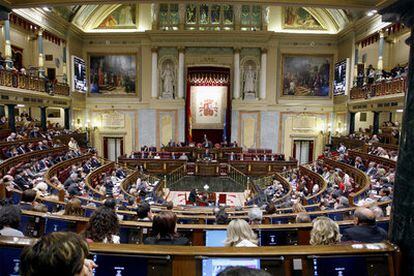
x=249 y=79
x=168 y=77
x=125 y=16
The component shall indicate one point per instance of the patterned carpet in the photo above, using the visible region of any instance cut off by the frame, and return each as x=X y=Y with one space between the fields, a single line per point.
x=232 y=199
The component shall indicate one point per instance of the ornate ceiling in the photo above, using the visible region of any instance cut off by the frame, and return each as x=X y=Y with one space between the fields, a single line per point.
x=118 y=17
x=342 y=4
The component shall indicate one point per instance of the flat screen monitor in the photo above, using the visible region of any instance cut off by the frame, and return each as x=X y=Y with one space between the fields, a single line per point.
x=213 y=266
x=276 y=238
x=342 y=266
x=79 y=75
x=216 y=237
x=341 y=77
x=119 y=265
x=272 y=238
x=10 y=261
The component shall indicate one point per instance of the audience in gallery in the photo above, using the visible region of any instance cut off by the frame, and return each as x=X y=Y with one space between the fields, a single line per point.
x=239 y=234
x=59 y=253
x=365 y=229
x=10 y=221
x=103 y=226
x=32 y=132
x=369 y=138
x=164 y=230
x=373 y=75
x=324 y=232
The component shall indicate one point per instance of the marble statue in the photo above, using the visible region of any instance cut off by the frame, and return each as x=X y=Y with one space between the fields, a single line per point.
x=125 y=16
x=168 y=78
x=249 y=87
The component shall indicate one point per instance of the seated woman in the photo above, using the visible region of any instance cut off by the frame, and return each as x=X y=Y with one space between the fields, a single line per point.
x=324 y=231
x=164 y=230
x=239 y=234
x=103 y=226
x=72 y=208
x=59 y=253
x=9 y=221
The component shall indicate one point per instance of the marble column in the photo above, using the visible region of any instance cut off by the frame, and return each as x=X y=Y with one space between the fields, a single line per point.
x=401 y=225
x=181 y=73
x=154 y=73
x=11 y=118
x=351 y=122
x=381 y=42
x=376 y=123
x=64 y=64
x=357 y=56
x=263 y=72
x=7 y=45
x=67 y=117
x=236 y=78
x=41 y=53
x=43 y=118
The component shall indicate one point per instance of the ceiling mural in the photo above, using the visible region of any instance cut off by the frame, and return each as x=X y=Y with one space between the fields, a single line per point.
x=139 y=17
x=298 y=18
x=67 y=12
x=122 y=17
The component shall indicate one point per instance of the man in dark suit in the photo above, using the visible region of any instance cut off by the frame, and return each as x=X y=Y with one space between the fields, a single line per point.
x=120 y=173
x=206 y=155
x=365 y=229
x=21 y=181
x=86 y=167
x=20 y=149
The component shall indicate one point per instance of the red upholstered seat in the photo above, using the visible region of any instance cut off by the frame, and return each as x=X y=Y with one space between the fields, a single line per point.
x=222 y=199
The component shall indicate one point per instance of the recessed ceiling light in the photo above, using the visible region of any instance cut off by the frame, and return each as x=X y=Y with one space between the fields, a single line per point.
x=371 y=13
x=47 y=9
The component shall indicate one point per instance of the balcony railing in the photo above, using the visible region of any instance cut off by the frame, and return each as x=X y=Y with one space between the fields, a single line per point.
x=383 y=88
x=22 y=81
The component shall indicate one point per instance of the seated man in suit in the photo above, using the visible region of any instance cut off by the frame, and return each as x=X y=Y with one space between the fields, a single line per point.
x=206 y=155
x=192 y=197
x=365 y=229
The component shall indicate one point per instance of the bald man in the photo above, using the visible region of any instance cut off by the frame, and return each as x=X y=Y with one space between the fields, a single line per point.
x=365 y=229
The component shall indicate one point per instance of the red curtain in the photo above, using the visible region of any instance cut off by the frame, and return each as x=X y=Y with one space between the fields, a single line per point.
x=207 y=76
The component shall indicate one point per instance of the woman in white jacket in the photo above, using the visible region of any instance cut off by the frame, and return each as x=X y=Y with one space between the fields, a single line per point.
x=239 y=234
